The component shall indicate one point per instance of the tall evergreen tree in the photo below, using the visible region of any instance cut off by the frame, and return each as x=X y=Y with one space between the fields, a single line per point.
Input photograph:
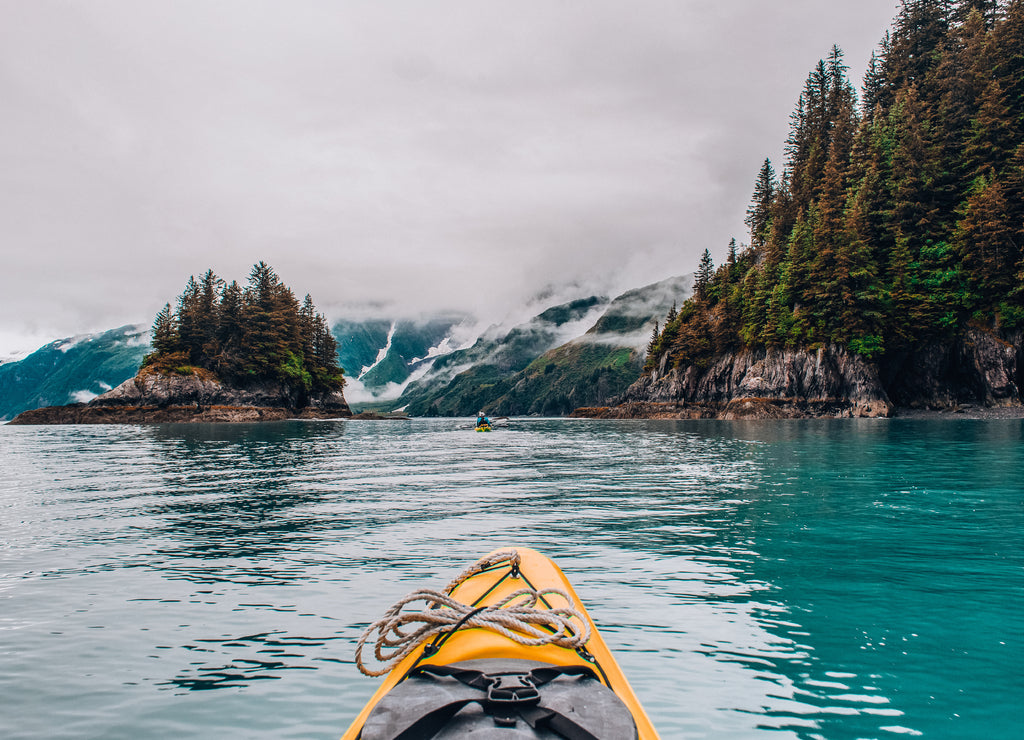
x=191 y=331
x=653 y=343
x=759 y=213
x=986 y=246
x=702 y=279
x=165 y=332
x=871 y=90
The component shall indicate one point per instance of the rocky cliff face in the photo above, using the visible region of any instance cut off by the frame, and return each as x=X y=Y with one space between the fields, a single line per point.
x=152 y=397
x=980 y=367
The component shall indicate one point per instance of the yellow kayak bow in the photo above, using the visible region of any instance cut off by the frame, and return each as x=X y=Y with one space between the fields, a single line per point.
x=507 y=644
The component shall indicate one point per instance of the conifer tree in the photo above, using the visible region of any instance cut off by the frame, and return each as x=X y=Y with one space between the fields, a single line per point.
x=207 y=316
x=308 y=327
x=986 y=245
x=230 y=331
x=871 y=90
x=919 y=31
x=1007 y=60
x=655 y=334
x=325 y=348
x=702 y=279
x=165 y=332
x=191 y=331
x=989 y=11
x=992 y=133
x=758 y=218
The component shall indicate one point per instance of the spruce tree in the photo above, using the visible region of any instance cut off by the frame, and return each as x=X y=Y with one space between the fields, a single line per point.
x=191 y=330
x=230 y=331
x=308 y=327
x=871 y=90
x=986 y=246
x=165 y=332
x=702 y=278
x=655 y=334
x=758 y=218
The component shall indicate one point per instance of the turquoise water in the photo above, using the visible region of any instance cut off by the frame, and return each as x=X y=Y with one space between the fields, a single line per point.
x=834 y=579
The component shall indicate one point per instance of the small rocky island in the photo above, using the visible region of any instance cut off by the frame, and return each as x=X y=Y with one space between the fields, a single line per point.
x=225 y=354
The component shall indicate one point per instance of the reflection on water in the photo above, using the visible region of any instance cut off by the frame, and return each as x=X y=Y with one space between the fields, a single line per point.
x=813 y=579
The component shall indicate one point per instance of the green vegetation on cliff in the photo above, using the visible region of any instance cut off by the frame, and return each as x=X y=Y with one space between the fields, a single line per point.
x=259 y=333
x=896 y=221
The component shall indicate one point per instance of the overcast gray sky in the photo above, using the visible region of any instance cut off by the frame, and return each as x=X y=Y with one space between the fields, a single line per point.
x=442 y=155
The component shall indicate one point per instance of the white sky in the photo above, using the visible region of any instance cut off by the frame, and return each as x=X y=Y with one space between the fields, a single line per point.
x=438 y=155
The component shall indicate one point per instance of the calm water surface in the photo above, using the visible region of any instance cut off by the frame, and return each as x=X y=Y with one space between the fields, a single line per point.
x=833 y=579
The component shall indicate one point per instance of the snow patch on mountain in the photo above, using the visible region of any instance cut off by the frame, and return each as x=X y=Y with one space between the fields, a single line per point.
x=382 y=353
x=357 y=392
x=439 y=350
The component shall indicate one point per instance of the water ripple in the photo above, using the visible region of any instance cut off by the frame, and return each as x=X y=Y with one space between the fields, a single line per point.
x=813 y=579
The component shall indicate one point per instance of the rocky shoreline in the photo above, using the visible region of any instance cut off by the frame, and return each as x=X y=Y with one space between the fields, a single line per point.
x=86 y=414
x=967 y=411
x=761 y=409
x=978 y=375
x=197 y=398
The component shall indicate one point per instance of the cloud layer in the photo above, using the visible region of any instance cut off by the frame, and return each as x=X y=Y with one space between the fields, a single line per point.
x=456 y=155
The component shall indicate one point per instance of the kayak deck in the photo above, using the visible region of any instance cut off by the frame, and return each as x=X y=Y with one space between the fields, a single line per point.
x=524 y=568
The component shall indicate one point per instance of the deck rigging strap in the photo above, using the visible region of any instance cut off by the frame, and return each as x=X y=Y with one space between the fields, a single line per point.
x=505 y=697
x=516 y=617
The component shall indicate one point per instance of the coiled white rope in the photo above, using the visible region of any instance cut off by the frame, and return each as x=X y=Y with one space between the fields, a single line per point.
x=516 y=617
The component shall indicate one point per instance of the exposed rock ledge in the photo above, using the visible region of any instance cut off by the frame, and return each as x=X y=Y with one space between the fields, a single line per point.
x=980 y=368
x=153 y=398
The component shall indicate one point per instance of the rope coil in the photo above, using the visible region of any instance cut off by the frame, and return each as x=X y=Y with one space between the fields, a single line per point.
x=516 y=617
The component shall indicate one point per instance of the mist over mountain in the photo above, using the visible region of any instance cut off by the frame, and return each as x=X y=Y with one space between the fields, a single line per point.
x=581 y=351
x=599 y=365
x=564 y=354
x=461 y=382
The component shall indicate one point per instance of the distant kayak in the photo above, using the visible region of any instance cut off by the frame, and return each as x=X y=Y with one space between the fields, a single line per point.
x=506 y=650
x=484 y=428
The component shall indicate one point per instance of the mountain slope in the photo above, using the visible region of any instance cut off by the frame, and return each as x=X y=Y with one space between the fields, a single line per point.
x=459 y=383
x=579 y=353
x=72 y=369
x=600 y=364
x=380 y=355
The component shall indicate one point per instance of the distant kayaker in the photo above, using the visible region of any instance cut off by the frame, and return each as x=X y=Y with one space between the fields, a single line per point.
x=482 y=420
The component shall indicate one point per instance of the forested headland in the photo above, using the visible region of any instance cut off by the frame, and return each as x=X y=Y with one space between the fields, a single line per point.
x=898 y=216
x=246 y=335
